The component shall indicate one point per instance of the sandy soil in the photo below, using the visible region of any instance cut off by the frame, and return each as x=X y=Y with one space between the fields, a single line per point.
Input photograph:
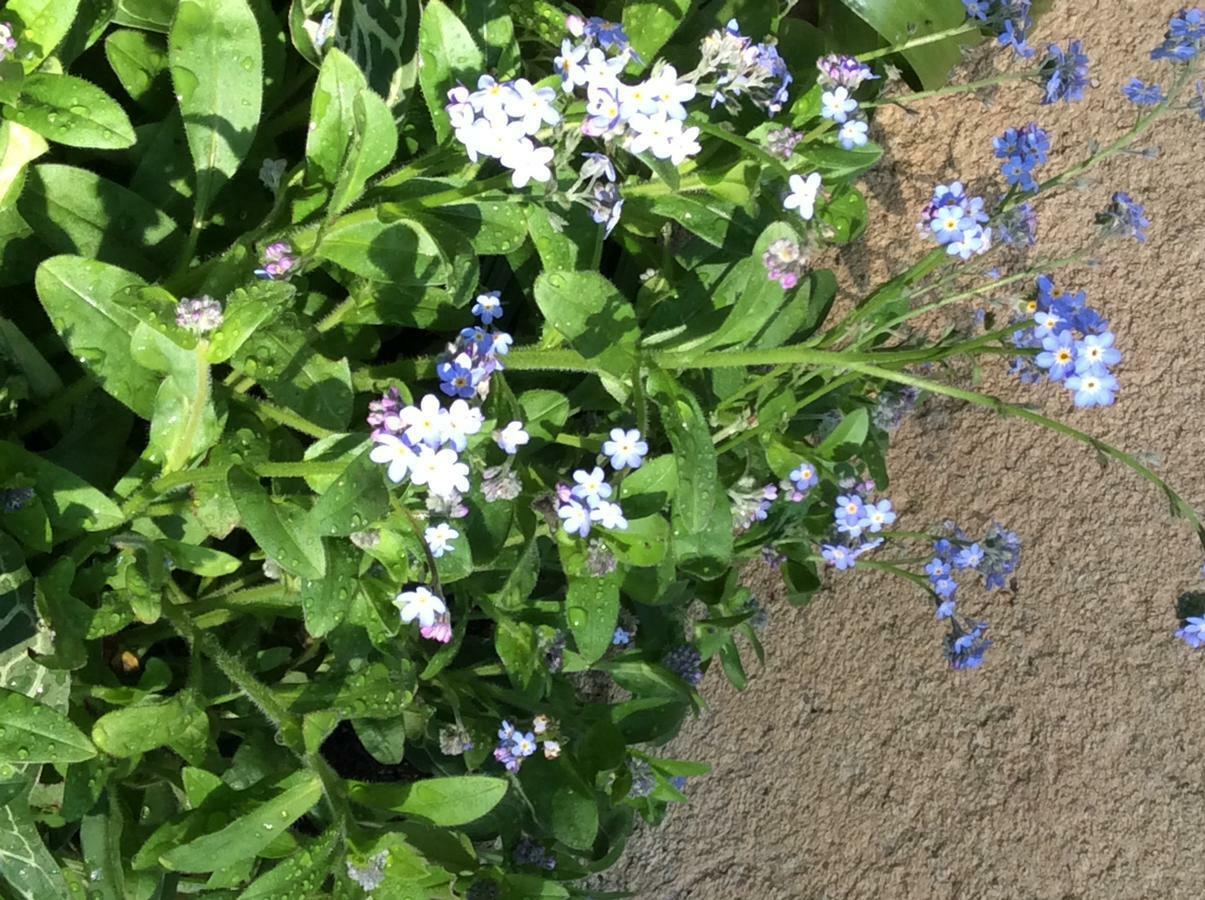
x=856 y=765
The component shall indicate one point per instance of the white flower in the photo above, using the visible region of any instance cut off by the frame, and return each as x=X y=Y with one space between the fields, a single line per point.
x=803 y=194
x=552 y=749
x=576 y=517
x=532 y=106
x=490 y=138
x=569 y=64
x=391 y=451
x=609 y=515
x=528 y=163
x=853 y=134
x=605 y=110
x=502 y=342
x=639 y=99
x=669 y=93
x=603 y=70
x=650 y=133
x=441 y=471
x=461 y=421
x=540 y=724
x=683 y=142
x=419 y=604
x=511 y=438
x=491 y=98
x=626 y=449
x=424 y=423
x=837 y=104
x=439 y=539
x=592 y=486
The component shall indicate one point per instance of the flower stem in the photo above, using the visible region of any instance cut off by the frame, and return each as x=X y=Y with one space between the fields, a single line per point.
x=951 y=89
x=921 y=41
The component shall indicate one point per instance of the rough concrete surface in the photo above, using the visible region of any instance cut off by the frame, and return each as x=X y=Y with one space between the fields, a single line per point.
x=1073 y=764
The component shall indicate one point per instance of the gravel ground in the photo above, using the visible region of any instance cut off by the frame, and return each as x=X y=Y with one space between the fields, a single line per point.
x=856 y=765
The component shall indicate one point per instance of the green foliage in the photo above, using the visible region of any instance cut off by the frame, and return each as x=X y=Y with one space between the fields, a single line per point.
x=211 y=682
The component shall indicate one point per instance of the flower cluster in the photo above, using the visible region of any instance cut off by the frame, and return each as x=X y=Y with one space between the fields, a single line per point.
x=1023 y=150
x=1017 y=226
x=429 y=609
x=840 y=76
x=786 y=262
x=528 y=853
x=200 y=315
x=855 y=517
x=783 y=141
x=1125 y=217
x=686 y=662
x=957 y=221
x=423 y=443
x=585 y=504
x=965 y=645
x=750 y=504
x=7 y=42
x=1008 y=20
x=1074 y=343
x=465 y=370
x=514 y=745
x=742 y=68
x=1065 y=72
x=995 y=558
x=279 y=262
x=1184 y=38
x=499 y=121
x=646 y=117
x=15 y=499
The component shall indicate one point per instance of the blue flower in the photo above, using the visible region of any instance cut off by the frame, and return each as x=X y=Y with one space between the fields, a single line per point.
x=621 y=638
x=945 y=588
x=804 y=476
x=1009 y=20
x=1066 y=73
x=1092 y=389
x=1046 y=322
x=968 y=557
x=943 y=549
x=1184 y=37
x=850 y=510
x=1125 y=217
x=1001 y=555
x=1095 y=353
x=937 y=568
x=956 y=220
x=488 y=307
x=965 y=649
x=841 y=558
x=877 y=515
x=456 y=379
x=1017 y=227
x=1193 y=632
x=1140 y=93
x=1058 y=355
x=946 y=608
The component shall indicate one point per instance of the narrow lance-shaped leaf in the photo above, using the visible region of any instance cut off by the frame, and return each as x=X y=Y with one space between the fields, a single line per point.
x=449 y=55
x=443 y=801
x=279 y=528
x=594 y=317
x=216 y=61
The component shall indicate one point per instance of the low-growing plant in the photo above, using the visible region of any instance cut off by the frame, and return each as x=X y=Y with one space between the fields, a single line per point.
x=409 y=385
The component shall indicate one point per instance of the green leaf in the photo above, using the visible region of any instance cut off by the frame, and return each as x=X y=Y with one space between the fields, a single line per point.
x=71 y=503
x=296 y=875
x=332 y=119
x=759 y=299
x=45 y=24
x=28 y=867
x=250 y=834
x=71 y=111
x=19 y=146
x=140 y=62
x=849 y=435
x=373 y=143
x=325 y=601
x=837 y=164
x=382 y=37
x=494 y=227
x=80 y=295
x=544 y=413
x=280 y=528
x=76 y=211
x=356 y=499
x=701 y=517
x=449 y=56
x=216 y=57
x=591 y=609
x=244 y=312
x=400 y=252
x=650 y=24
x=281 y=357
x=593 y=316
x=138 y=729
x=903 y=20
x=643 y=543
x=442 y=801
x=570 y=241
x=203 y=561
x=153 y=15
x=33 y=733
x=562 y=801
